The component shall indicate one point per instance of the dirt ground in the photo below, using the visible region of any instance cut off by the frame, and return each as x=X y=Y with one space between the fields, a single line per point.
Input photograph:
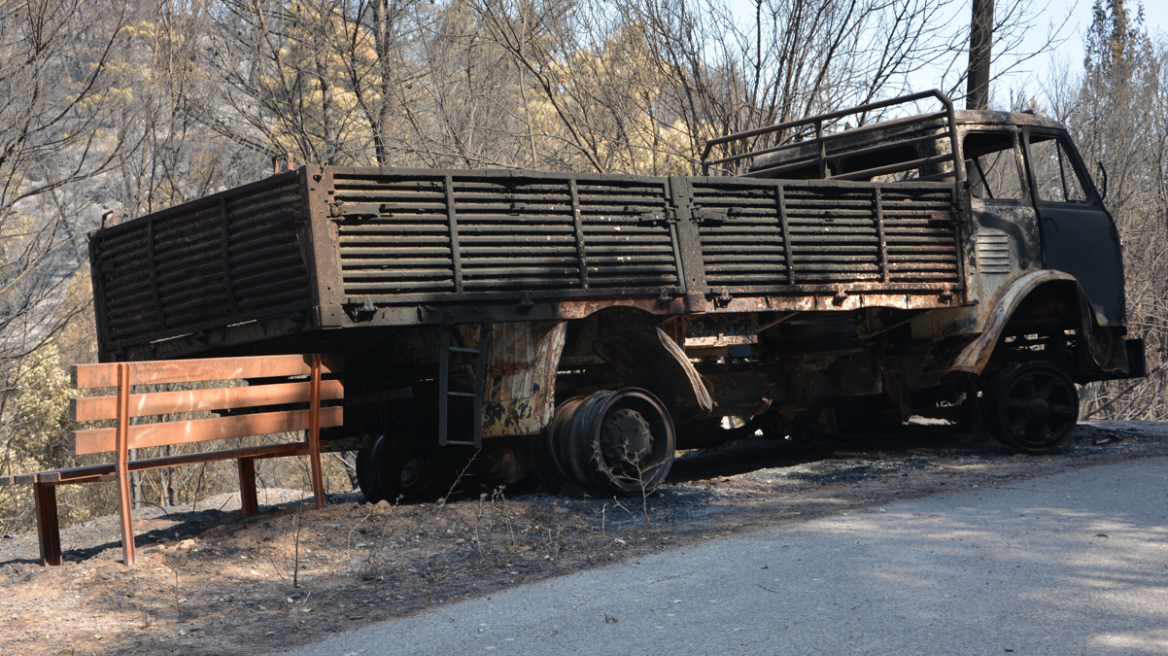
x=208 y=582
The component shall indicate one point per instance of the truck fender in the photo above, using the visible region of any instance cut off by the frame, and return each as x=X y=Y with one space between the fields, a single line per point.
x=652 y=360
x=976 y=354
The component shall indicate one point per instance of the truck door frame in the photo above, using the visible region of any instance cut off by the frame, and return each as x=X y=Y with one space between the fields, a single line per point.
x=1079 y=237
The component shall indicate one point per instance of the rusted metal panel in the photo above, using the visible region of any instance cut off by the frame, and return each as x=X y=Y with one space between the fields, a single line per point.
x=779 y=236
x=471 y=235
x=739 y=394
x=320 y=241
x=974 y=356
x=225 y=255
x=519 y=397
x=838 y=299
x=393 y=247
x=688 y=238
x=219 y=260
x=652 y=359
x=718 y=330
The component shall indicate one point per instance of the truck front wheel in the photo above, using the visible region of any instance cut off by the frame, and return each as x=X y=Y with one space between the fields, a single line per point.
x=1031 y=406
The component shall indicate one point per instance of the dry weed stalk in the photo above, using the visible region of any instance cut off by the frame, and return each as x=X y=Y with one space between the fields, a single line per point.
x=478 y=518
x=458 y=479
x=498 y=494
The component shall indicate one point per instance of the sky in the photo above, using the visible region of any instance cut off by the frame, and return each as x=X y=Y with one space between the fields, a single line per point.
x=1029 y=75
x=1071 y=50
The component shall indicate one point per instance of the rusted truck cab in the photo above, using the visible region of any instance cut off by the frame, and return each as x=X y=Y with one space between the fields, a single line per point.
x=1035 y=218
x=1043 y=302
x=578 y=329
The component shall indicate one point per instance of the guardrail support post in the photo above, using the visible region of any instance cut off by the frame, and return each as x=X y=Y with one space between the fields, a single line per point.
x=248 y=504
x=48 y=530
x=122 y=467
x=314 y=434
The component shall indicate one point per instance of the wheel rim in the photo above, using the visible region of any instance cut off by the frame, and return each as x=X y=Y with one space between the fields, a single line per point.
x=627 y=441
x=615 y=442
x=413 y=473
x=1038 y=409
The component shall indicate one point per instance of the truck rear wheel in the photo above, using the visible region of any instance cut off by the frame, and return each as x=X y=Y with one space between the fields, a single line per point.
x=367 y=474
x=406 y=468
x=610 y=443
x=1031 y=406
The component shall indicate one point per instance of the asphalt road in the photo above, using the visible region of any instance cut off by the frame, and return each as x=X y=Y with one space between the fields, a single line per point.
x=1076 y=563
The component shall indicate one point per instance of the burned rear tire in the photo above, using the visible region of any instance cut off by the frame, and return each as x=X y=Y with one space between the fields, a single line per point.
x=611 y=443
x=409 y=469
x=367 y=473
x=1031 y=406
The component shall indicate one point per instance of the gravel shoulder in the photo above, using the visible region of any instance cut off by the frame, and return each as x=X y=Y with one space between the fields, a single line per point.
x=209 y=582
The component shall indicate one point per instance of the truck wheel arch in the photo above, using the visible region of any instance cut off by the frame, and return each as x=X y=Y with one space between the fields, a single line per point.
x=1028 y=289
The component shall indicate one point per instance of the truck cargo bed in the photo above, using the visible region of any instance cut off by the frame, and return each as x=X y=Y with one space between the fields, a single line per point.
x=324 y=248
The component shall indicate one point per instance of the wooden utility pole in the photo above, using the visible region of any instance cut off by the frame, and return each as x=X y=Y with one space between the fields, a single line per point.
x=981 y=38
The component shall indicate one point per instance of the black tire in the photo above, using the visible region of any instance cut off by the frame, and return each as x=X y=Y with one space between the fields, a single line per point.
x=367 y=475
x=409 y=469
x=1031 y=406
x=614 y=443
x=551 y=477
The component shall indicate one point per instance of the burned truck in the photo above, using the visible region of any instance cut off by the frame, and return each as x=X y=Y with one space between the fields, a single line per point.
x=579 y=329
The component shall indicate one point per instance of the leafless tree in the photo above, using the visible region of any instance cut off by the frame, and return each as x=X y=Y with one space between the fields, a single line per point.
x=55 y=104
x=1117 y=111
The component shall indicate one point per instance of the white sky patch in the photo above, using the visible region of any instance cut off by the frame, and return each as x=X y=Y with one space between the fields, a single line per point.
x=1073 y=15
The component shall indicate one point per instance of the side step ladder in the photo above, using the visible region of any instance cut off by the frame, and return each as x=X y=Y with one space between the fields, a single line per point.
x=444 y=393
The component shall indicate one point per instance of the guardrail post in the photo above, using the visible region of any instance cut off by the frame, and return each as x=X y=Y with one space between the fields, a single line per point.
x=48 y=530
x=122 y=467
x=248 y=504
x=314 y=434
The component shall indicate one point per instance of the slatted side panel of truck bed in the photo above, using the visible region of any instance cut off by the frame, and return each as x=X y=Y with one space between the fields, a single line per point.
x=414 y=237
x=410 y=237
x=220 y=260
x=775 y=237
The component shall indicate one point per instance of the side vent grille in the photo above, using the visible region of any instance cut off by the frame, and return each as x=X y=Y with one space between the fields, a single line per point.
x=993 y=252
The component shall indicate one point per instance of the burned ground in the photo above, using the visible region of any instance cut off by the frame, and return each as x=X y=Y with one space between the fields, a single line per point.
x=208 y=582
